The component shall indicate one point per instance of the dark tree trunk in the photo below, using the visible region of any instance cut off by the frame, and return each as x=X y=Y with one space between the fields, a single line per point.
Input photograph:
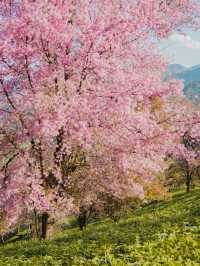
x=188 y=183
x=82 y=220
x=84 y=216
x=44 y=224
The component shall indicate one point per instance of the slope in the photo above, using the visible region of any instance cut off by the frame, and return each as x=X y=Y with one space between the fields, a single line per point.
x=166 y=233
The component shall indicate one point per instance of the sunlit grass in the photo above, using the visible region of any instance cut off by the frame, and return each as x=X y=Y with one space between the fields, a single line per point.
x=164 y=233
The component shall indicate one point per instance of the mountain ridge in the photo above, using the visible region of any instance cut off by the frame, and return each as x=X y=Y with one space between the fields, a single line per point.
x=191 y=78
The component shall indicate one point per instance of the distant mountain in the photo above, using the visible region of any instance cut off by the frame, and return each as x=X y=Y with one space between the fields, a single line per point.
x=174 y=69
x=190 y=77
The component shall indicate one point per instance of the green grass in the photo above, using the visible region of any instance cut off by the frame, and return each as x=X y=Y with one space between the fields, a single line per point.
x=166 y=233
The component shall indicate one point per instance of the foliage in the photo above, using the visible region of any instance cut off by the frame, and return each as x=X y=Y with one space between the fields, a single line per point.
x=116 y=208
x=175 y=175
x=165 y=233
x=186 y=150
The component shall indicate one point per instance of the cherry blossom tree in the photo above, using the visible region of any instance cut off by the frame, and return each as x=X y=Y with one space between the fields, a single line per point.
x=185 y=117
x=81 y=85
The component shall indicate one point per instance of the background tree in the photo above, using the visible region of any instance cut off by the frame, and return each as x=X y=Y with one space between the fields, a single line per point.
x=186 y=149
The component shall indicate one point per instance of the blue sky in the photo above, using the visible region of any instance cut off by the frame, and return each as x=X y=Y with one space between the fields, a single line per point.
x=183 y=49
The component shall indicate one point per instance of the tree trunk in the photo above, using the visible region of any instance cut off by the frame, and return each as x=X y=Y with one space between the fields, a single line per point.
x=82 y=221
x=188 y=183
x=34 y=227
x=44 y=224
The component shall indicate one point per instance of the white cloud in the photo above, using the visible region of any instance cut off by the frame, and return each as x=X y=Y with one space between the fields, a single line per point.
x=185 y=41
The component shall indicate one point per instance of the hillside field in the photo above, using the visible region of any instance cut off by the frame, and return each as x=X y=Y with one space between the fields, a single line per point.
x=164 y=233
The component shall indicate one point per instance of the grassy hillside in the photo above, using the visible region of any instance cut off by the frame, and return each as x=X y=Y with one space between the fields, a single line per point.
x=166 y=233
